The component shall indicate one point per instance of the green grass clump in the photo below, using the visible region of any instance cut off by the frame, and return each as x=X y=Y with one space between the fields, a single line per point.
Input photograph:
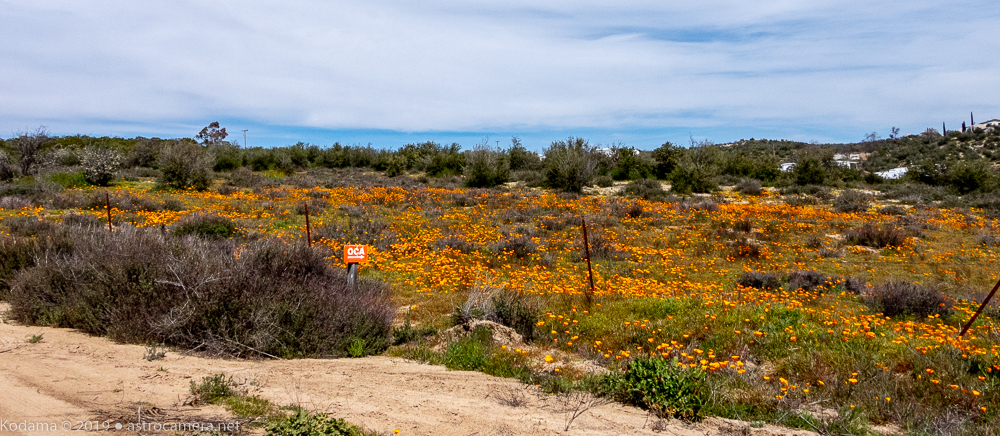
x=209 y=226
x=70 y=180
x=213 y=388
x=477 y=352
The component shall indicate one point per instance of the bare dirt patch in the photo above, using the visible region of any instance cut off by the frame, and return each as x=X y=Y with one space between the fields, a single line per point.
x=69 y=376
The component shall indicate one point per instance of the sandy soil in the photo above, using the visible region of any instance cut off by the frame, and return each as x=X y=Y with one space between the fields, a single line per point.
x=74 y=378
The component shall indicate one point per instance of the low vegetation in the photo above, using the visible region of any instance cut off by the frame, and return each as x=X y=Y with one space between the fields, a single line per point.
x=224 y=390
x=264 y=298
x=806 y=304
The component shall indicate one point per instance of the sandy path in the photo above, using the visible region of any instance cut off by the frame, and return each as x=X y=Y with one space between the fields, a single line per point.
x=72 y=377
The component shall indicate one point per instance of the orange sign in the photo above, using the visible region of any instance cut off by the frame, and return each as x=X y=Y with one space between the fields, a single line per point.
x=355 y=253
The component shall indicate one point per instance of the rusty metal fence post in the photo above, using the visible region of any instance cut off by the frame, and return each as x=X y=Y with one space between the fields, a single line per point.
x=107 y=200
x=590 y=268
x=981 y=307
x=309 y=239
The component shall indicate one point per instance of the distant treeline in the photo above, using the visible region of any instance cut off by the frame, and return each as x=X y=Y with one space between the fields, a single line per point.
x=960 y=162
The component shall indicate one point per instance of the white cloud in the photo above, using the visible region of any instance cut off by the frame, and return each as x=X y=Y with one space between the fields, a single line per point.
x=463 y=66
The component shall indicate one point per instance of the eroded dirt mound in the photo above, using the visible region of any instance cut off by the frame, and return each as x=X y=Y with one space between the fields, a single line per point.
x=502 y=335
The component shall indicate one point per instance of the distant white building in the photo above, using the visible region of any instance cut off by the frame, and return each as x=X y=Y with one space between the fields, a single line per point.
x=986 y=125
x=788 y=166
x=893 y=174
x=847 y=160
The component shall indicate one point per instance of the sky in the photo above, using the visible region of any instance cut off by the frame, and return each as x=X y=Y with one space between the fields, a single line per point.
x=633 y=73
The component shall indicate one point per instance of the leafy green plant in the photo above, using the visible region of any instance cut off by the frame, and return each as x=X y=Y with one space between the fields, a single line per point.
x=303 y=423
x=213 y=388
x=662 y=387
x=34 y=339
x=356 y=348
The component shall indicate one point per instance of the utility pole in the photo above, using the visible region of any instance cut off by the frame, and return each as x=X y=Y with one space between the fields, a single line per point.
x=244 y=138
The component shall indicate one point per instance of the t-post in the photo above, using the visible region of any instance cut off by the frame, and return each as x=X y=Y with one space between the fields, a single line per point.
x=309 y=239
x=107 y=199
x=981 y=307
x=590 y=269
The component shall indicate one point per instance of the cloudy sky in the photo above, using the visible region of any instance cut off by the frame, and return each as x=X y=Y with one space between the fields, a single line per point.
x=392 y=72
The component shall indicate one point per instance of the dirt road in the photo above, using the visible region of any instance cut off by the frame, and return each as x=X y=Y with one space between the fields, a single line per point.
x=70 y=379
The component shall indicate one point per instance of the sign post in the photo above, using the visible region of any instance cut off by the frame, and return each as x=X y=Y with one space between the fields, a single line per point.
x=354 y=254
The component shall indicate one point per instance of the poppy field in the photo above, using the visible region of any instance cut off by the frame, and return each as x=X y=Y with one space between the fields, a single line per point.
x=798 y=314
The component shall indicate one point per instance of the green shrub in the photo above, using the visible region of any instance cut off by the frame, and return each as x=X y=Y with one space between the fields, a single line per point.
x=661 y=387
x=208 y=225
x=809 y=171
x=966 y=177
x=520 y=158
x=70 y=180
x=569 y=165
x=213 y=388
x=486 y=167
x=631 y=164
x=445 y=161
x=531 y=178
x=185 y=164
x=395 y=166
x=686 y=179
x=666 y=157
x=517 y=311
x=648 y=189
